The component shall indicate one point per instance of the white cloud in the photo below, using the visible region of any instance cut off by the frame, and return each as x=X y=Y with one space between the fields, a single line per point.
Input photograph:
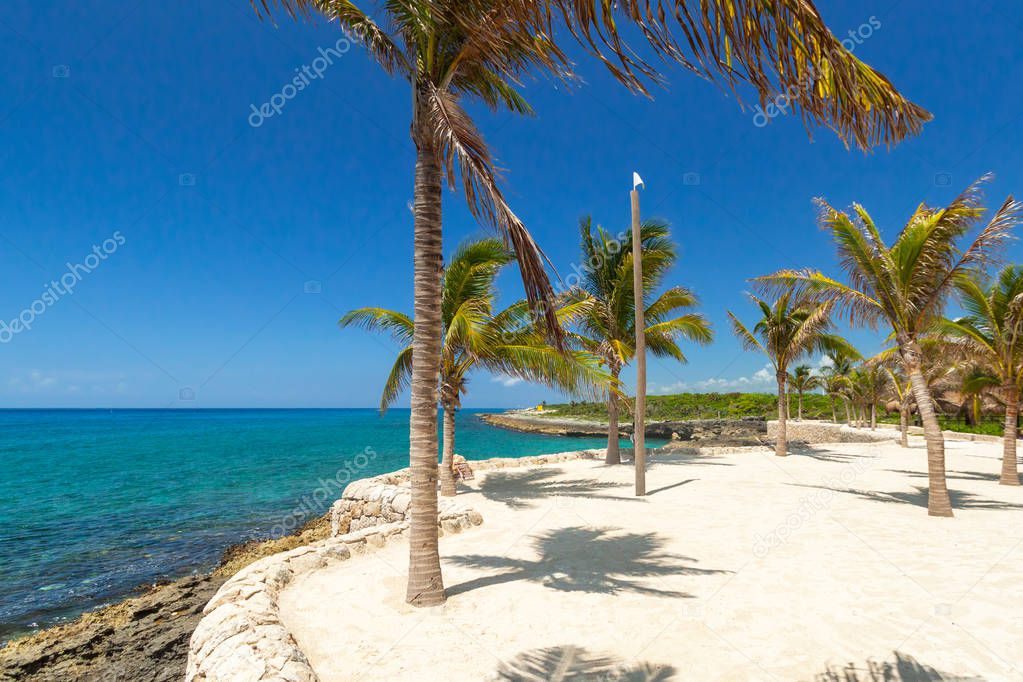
x=506 y=381
x=762 y=378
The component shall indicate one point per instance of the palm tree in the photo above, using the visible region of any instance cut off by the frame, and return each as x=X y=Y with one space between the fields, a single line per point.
x=474 y=336
x=992 y=332
x=787 y=331
x=939 y=359
x=868 y=381
x=902 y=391
x=608 y=328
x=906 y=285
x=803 y=379
x=479 y=50
x=836 y=381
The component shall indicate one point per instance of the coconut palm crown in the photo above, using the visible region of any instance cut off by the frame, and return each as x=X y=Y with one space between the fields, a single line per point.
x=608 y=327
x=477 y=337
x=992 y=333
x=906 y=285
x=787 y=331
x=802 y=379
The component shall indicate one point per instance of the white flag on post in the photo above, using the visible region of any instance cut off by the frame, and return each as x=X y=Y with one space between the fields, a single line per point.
x=637 y=181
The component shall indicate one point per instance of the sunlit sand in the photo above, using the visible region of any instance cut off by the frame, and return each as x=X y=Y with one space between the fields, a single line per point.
x=743 y=566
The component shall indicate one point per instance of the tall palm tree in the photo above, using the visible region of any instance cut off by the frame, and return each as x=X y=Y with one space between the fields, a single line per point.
x=474 y=336
x=836 y=380
x=479 y=50
x=787 y=331
x=992 y=332
x=608 y=328
x=868 y=382
x=906 y=285
x=834 y=386
x=803 y=379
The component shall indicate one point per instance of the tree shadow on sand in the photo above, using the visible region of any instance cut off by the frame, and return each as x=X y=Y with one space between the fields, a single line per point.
x=519 y=489
x=824 y=454
x=904 y=668
x=680 y=456
x=960 y=499
x=956 y=475
x=575 y=664
x=576 y=559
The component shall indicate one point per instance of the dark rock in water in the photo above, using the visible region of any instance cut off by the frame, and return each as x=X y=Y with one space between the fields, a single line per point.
x=142 y=638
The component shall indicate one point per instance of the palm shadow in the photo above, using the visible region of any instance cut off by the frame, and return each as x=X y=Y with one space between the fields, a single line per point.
x=519 y=489
x=960 y=499
x=822 y=454
x=669 y=487
x=904 y=668
x=575 y=664
x=684 y=456
x=957 y=475
x=577 y=559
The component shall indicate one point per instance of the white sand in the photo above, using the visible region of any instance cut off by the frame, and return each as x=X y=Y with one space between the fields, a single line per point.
x=570 y=577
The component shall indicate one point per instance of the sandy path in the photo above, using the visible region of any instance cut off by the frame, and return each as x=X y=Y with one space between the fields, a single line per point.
x=735 y=567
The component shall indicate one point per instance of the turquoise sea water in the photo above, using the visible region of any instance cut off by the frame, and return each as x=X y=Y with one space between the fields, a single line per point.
x=94 y=503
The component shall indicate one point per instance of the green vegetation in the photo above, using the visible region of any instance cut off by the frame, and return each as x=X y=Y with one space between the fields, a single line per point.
x=700 y=406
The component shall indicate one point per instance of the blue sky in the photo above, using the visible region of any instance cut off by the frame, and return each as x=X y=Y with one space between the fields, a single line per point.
x=135 y=121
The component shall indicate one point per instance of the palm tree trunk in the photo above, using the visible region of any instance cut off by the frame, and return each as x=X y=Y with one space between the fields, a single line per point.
x=873 y=416
x=904 y=423
x=834 y=414
x=938 y=501
x=848 y=417
x=425 y=583
x=780 y=444
x=1010 y=472
x=800 y=404
x=614 y=456
x=447 y=474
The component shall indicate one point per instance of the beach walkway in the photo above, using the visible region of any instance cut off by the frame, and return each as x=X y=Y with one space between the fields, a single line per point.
x=742 y=566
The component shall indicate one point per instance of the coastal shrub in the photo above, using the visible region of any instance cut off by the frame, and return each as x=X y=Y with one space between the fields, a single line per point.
x=682 y=406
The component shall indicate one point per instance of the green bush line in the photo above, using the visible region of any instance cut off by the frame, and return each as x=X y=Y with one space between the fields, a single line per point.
x=682 y=406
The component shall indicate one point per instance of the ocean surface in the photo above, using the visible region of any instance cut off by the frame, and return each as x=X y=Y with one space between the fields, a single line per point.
x=94 y=503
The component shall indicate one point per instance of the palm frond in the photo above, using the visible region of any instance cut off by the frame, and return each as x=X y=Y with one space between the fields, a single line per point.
x=399 y=325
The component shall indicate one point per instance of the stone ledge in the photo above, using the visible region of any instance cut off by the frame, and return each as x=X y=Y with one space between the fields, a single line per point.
x=814 y=432
x=241 y=636
x=387 y=498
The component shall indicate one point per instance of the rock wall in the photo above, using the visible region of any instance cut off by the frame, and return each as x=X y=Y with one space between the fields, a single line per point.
x=384 y=499
x=809 y=431
x=241 y=636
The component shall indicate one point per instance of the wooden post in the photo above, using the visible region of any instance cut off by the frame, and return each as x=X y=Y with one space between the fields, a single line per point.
x=639 y=420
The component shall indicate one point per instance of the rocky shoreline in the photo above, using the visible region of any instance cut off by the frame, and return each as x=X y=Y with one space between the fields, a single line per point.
x=741 y=431
x=142 y=638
